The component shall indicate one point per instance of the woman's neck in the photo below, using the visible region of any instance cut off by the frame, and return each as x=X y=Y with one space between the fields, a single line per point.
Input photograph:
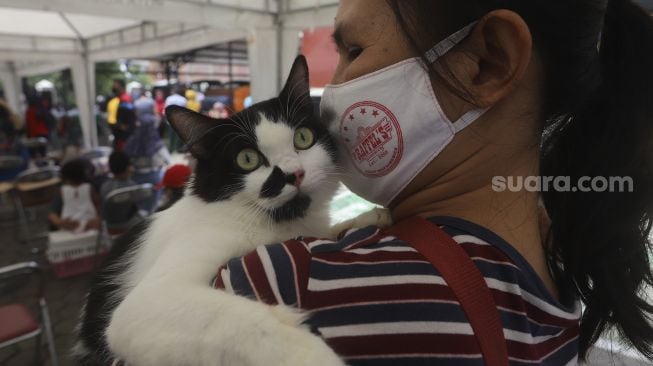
x=467 y=192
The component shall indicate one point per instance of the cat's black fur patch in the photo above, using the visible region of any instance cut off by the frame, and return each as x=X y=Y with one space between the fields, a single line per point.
x=294 y=209
x=98 y=309
x=274 y=184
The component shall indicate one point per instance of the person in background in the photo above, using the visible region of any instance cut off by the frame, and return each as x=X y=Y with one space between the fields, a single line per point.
x=38 y=120
x=191 y=101
x=160 y=102
x=173 y=185
x=120 y=114
x=120 y=167
x=76 y=207
x=9 y=143
x=147 y=151
x=218 y=111
x=176 y=98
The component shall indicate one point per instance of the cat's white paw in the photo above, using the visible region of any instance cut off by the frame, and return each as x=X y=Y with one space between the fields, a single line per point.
x=375 y=217
x=293 y=346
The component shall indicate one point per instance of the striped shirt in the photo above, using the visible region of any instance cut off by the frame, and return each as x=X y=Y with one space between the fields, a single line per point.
x=377 y=301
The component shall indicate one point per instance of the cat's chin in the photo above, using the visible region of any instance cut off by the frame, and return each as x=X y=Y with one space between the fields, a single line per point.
x=294 y=209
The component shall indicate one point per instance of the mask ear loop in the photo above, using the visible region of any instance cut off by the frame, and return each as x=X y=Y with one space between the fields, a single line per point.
x=447 y=44
x=440 y=50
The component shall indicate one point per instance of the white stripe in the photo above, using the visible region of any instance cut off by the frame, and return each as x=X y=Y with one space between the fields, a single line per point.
x=396 y=328
x=325 y=285
x=226 y=280
x=469 y=239
x=320 y=242
x=384 y=249
x=494 y=262
x=387 y=239
x=530 y=298
x=269 y=272
x=527 y=338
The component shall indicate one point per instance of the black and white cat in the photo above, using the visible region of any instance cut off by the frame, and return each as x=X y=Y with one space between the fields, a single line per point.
x=265 y=175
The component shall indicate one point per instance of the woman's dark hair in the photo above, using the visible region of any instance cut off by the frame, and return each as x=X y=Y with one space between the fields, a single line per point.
x=597 y=106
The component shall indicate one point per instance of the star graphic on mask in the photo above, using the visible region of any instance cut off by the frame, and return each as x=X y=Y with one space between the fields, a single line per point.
x=351 y=117
x=346 y=129
x=363 y=111
x=375 y=113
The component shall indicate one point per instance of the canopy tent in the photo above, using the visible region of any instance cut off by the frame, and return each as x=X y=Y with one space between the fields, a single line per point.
x=40 y=36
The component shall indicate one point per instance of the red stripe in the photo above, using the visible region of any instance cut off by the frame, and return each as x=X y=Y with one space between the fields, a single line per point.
x=299 y=255
x=258 y=279
x=393 y=293
x=217 y=281
x=404 y=344
x=377 y=256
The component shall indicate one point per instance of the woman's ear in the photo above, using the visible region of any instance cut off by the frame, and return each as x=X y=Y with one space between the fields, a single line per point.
x=494 y=58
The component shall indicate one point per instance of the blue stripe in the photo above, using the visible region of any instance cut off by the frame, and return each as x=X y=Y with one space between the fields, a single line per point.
x=563 y=355
x=521 y=323
x=402 y=312
x=239 y=280
x=418 y=361
x=350 y=239
x=326 y=271
x=284 y=272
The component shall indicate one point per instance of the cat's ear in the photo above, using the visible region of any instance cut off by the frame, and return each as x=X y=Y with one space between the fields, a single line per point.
x=297 y=86
x=191 y=127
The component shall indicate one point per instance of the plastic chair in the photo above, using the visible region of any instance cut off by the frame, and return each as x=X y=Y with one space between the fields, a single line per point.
x=116 y=203
x=35 y=187
x=18 y=324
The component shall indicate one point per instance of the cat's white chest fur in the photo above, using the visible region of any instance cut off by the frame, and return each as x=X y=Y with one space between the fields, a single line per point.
x=171 y=316
x=198 y=232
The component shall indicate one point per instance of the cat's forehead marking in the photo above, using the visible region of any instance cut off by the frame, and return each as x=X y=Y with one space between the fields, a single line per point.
x=273 y=137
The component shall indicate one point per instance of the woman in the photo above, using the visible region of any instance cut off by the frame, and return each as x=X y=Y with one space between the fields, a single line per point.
x=148 y=153
x=536 y=88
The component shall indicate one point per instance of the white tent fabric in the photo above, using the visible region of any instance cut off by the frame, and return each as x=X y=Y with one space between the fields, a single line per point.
x=39 y=36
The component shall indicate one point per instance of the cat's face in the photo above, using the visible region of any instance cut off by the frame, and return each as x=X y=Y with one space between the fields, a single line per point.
x=275 y=157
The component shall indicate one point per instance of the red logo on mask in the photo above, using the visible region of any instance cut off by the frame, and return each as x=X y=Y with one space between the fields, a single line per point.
x=373 y=138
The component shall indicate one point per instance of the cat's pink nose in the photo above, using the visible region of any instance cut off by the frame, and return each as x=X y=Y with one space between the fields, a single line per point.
x=299 y=177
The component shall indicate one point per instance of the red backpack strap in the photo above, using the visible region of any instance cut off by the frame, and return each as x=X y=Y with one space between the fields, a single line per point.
x=464 y=279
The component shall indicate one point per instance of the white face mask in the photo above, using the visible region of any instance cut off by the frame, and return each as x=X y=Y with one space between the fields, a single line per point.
x=389 y=125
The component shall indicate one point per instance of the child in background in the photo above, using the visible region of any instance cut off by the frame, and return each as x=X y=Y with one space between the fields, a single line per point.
x=120 y=167
x=76 y=208
x=173 y=184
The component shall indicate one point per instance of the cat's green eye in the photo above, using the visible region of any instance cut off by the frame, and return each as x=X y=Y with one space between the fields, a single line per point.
x=248 y=160
x=304 y=138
